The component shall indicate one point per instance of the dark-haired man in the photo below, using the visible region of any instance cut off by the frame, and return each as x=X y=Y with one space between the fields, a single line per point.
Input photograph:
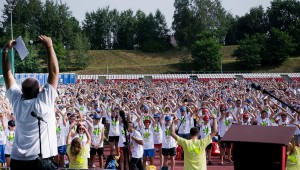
x=194 y=149
x=30 y=99
x=136 y=147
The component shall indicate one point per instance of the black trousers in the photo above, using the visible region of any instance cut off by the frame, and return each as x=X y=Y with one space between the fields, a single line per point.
x=136 y=164
x=32 y=164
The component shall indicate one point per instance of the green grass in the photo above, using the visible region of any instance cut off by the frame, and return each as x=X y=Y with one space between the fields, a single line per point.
x=137 y=62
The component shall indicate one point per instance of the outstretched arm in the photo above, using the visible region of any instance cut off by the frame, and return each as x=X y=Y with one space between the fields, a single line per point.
x=53 y=68
x=7 y=74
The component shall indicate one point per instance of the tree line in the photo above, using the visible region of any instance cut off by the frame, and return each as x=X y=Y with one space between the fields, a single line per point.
x=265 y=37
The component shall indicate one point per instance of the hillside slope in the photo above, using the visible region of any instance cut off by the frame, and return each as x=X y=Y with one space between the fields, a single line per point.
x=136 y=62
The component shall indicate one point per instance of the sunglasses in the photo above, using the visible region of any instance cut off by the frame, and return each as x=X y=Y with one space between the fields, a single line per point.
x=80 y=129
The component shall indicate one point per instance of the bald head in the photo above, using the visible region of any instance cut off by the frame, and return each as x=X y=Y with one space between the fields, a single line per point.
x=30 y=88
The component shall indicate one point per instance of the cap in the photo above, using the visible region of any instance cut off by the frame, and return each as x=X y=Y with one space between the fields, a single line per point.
x=11 y=123
x=249 y=100
x=183 y=109
x=146 y=107
x=96 y=116
x=98 y=110
x=147 y=121
x=204 y=111
x=205 y=118
x=167 y=118
x=245 y=115
x=229 y=100
x=156 y=115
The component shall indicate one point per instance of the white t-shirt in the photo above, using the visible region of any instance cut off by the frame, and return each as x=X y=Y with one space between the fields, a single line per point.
x=185 y=125
x=97 y=134
x=82 y=109
x=168 y=141
x=263 y=122
x=2 y=135
x=26 y=144
x=136 y=149
x=205 y=130
x=224 y=125
x=148 y=138
x=297 y=131
x=114 y=129
x=61 y=134
x=10 y=136
x=157 y=134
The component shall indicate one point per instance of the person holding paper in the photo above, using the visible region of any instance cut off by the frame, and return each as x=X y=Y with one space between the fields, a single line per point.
x=30 y=99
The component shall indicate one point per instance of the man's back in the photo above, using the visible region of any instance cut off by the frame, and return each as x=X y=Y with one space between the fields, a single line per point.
x=194 y=153
x=26 y=143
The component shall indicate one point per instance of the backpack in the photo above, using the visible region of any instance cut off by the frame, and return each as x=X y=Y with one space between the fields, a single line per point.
x=111 y=162
x=215 y=149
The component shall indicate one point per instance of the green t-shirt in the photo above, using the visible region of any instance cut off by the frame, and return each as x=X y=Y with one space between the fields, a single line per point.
x=293 y=161
x=79 y=162
x=194 y=152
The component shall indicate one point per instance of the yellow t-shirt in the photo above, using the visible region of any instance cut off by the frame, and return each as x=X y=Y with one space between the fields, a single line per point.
x=293 y=161
x=194 y=153
x=79 y=162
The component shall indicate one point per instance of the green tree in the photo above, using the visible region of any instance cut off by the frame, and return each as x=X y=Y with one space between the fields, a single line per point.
x=249 y=52
x=279 y=46
x=81 y=57
x=126 y=31
x=193 y=17
x=251 y=23
x=206 y=54
x=283 y=14
x=155 y=33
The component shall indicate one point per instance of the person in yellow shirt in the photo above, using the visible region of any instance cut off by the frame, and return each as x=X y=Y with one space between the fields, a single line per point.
x=293 y=156
x=77 y=153
x=194 y=149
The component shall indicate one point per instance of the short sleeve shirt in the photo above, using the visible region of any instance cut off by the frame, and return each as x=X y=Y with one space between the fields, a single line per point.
x=194 y=153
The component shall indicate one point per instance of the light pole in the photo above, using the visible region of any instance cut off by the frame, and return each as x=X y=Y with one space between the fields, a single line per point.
x=11 y=5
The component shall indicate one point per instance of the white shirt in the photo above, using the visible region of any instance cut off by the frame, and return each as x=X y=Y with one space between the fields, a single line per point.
x=97 y=134
x=26 y=144
x=114 y=129
x=157 y=134
x=185 y=125
x=297 y=131
x=2 y=135
x=205 y=130
x=168 y=141
x=61 y=134
x=82 y=109
x=224 y=125
x=263 y=122
x=10 y=136
x=147 y=135
x=136 y=149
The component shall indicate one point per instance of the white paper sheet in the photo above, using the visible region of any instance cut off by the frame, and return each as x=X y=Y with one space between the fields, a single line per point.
x=21 y=48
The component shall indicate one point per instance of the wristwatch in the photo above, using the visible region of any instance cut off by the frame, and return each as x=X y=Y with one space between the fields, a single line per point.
x=4 y=50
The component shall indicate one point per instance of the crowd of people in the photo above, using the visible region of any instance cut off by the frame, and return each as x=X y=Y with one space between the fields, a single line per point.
x=89 y=112
x=137 y=119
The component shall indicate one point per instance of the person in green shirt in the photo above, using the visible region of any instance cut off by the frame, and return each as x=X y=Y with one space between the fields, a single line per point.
x=194 y=149
x=77 y=153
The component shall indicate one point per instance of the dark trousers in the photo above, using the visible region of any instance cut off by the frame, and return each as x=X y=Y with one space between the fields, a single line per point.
x=17 y=164
x=136 y=164
x=32 y=164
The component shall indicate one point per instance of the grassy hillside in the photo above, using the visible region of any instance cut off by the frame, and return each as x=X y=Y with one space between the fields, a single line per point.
x=135 y=62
